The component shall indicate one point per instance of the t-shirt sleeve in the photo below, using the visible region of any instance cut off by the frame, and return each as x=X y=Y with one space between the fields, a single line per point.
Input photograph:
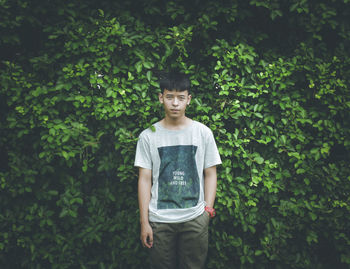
x=212 y=156
x=143 y=154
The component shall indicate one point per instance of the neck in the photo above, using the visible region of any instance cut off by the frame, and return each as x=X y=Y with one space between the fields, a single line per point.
x=175 y=124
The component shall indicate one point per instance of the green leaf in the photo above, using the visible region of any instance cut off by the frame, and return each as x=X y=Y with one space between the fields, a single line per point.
x=258 y=252
x=65 y=155
x=102 y=14
x=149 y=74
x=313 y=216
x=259 y=159
x=148 y=65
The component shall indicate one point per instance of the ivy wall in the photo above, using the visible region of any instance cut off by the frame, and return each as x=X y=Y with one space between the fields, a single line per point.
x=79 y=82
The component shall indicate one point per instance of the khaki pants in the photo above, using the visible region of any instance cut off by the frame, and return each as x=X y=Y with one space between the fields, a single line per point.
x=180 y=245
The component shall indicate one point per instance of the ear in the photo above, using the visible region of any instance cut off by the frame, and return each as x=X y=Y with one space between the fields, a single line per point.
x=189 y=99
x=160 y=97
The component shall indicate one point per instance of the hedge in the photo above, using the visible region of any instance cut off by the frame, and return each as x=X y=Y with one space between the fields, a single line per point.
x=79 y=82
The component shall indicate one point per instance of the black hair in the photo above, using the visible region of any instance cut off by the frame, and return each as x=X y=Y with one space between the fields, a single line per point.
x=175 y=81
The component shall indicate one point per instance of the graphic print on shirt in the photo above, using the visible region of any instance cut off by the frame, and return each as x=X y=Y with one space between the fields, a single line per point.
x=178 y=182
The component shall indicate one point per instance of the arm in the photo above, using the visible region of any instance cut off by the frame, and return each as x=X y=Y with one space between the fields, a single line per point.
x=210 y=180
x=144 y=194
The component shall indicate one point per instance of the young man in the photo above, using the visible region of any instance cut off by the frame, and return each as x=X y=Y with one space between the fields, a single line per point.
x=177 y=181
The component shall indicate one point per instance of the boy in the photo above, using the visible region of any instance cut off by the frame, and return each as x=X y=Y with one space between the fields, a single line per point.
x=177 y=181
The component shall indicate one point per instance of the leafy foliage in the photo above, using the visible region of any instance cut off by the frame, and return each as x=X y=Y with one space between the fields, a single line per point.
x=80 y=81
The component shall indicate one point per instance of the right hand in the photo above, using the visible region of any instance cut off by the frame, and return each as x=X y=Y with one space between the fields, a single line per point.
x=146 y=235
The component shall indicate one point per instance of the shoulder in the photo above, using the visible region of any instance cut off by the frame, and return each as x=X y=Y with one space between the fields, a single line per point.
x=149 y=132
x=145 y=134
x=202 y=128
x=204 y=131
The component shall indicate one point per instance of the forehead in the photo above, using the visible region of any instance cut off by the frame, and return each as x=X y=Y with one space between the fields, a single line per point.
x=175 y=93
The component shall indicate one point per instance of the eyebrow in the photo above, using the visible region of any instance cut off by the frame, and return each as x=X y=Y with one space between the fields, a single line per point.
x=171 y=95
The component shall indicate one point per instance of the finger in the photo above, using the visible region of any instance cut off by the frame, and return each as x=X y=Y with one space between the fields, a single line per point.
x=147 y=242
x=150 y=239
x=143 y=241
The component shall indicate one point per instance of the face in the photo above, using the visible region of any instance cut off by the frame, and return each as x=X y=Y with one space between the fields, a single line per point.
x=175 y=103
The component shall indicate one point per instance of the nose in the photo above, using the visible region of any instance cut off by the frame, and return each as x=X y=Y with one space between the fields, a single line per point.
x=175 y=102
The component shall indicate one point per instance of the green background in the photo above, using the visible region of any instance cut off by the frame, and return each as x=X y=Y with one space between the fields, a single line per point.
x=79 y=82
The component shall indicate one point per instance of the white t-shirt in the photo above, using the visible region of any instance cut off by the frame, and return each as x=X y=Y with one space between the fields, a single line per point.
x=177 y=159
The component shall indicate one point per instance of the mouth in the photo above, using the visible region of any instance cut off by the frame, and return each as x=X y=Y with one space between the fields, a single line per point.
x=174 y=110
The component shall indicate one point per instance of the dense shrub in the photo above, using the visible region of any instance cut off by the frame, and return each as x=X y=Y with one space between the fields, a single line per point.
x=79 y=82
